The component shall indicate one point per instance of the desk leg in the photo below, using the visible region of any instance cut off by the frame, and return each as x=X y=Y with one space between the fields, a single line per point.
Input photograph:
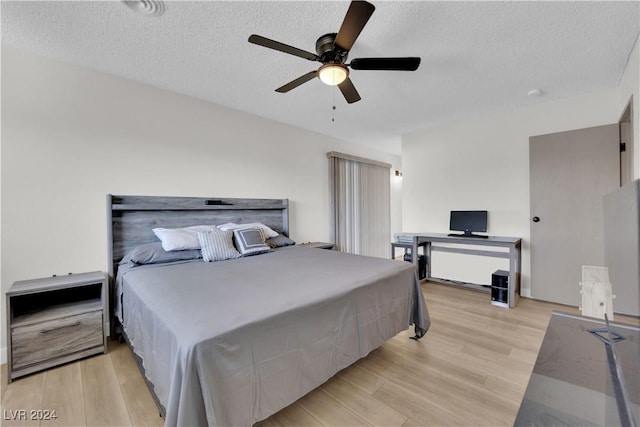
x=515 y=261
x=427 y=256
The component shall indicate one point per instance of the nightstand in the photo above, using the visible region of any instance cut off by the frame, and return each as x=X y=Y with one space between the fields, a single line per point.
x=55 y=320
x=319 y=245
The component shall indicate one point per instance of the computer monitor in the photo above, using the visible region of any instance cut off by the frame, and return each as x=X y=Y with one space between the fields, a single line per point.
x=468 y=222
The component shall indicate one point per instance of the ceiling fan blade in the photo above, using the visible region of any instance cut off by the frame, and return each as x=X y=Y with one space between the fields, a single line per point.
x=297 y=82
x=392 y=64
x=349 y=91
x=272 y=44
x=356 y=18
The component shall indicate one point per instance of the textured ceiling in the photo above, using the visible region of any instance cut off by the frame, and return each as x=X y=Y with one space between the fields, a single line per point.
x=476 y=56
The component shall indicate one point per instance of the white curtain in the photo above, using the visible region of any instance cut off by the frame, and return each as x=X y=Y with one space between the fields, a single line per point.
x=359 y=191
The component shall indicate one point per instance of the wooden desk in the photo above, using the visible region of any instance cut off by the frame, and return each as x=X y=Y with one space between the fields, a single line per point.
x=512 y=243
x=405 y=246
x=422 y=267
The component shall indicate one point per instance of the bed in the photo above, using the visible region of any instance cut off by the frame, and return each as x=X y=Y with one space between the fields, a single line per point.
x=232 y=342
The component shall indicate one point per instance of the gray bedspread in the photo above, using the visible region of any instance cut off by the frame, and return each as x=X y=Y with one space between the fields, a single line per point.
x=232 y=342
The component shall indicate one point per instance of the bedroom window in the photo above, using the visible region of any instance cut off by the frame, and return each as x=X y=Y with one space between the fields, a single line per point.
x=359 y=192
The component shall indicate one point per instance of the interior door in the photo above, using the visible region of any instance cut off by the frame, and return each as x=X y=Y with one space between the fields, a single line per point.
x=626 y=155
x=570 y=172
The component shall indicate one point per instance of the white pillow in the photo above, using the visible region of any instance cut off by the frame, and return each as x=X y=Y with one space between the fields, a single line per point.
x=268 y=232
x=178 y=239
x=217 y=245
x=227 y=226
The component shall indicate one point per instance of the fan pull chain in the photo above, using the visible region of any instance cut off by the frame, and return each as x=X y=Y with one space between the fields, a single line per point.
x=333 y=112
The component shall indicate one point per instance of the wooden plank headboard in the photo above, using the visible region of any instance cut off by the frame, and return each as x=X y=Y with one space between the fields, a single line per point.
x=130 y=219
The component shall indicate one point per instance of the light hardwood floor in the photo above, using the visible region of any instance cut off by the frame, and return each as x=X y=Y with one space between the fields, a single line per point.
x=472 y=368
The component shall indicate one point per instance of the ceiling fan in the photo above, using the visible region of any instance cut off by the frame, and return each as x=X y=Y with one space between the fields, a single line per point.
x=332 y=51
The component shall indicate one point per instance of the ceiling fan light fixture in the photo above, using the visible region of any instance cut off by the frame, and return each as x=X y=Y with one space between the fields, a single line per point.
x=151 y=8
x=333 y=74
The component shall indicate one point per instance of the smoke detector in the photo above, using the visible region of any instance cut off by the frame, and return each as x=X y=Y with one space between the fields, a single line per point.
x=151 y=8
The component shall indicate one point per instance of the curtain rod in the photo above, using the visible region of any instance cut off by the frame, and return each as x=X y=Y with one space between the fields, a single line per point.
x=358 y=159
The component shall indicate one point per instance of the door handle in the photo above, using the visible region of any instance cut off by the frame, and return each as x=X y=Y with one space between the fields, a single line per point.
x=535 y=219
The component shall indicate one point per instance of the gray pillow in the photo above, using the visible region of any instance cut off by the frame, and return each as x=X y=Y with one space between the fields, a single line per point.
x=152 y=253
x=279 y=241
x=250 y=241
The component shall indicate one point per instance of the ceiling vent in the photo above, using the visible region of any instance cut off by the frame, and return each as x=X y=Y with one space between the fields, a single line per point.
x=153 y=8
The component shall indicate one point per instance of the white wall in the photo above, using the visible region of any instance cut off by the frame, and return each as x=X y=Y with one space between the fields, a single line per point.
x=630 y=86
x=71 y=135
x=483 y=163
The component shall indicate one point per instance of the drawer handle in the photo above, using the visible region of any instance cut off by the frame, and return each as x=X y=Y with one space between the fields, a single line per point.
x=61 y=327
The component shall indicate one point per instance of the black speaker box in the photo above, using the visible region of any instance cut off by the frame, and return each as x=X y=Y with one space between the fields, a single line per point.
x=500 y=287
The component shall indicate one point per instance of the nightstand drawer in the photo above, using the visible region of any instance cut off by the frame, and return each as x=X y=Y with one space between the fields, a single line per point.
x=38 y=342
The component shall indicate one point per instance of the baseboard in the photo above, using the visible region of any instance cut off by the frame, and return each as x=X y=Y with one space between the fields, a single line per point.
x=3 y=355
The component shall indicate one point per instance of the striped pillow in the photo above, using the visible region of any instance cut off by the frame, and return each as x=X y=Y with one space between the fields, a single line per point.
x=217 y=245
